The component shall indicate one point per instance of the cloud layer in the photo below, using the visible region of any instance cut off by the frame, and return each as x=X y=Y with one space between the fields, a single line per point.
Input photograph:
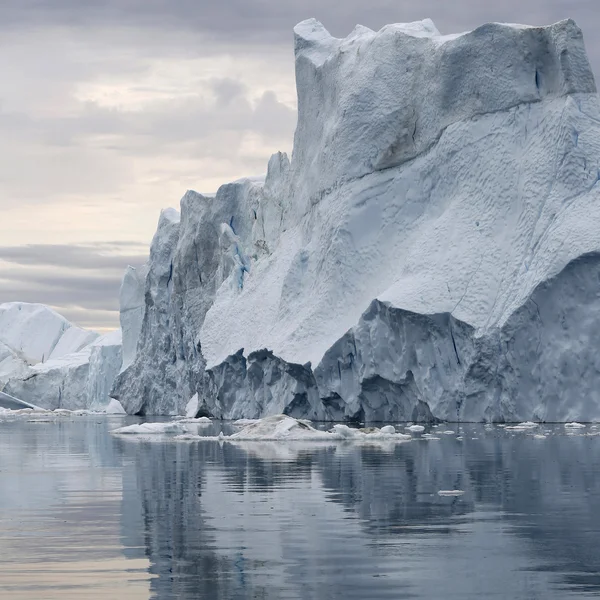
x=111 y=109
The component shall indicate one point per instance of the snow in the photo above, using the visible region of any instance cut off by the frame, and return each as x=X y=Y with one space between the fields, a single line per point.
x=429 y=251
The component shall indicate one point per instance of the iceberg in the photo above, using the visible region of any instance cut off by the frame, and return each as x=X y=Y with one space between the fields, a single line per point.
x=429 y=252
x=47 y=362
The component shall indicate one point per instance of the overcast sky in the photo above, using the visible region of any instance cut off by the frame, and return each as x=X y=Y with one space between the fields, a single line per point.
x=111 y=109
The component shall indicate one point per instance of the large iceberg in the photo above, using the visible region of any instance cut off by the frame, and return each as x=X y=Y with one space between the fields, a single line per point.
x=431 y=249
x=48 y=362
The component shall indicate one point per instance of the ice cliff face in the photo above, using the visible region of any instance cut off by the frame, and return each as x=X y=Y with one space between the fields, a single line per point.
x=47 y=361
x=430 y=251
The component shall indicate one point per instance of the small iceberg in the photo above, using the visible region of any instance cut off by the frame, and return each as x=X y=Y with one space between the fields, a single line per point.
x=526 y=426
x=194 y=421
x=279 y=428
x=415 y=428
x=150 y=429
x=574 y=425
x=451 y=493
x=245 y=422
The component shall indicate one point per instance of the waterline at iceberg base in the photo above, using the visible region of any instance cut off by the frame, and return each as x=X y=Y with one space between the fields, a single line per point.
x=430 y=251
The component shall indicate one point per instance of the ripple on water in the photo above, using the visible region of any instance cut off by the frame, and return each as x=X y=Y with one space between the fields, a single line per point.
x=84 y=514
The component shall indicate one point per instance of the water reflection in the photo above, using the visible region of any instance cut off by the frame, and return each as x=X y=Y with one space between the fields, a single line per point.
x=272 y=521
x=84 y=514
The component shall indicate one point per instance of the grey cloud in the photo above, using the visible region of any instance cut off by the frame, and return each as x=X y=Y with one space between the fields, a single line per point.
x=269 y=21
x=90 y=318
x=77 y=256
x=81 y=281
x=52 y=148
x=86 y=153
x=55 y=287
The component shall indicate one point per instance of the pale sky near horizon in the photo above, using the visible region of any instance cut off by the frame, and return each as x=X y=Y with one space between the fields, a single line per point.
x=111 y=109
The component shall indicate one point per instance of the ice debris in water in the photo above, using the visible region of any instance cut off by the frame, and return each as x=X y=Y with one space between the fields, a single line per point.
x=574 y=425
x=150 y=429
x=198 y=421
x=526 y=426
x=416 y=428
x=285 y=428
x=451 y=493
x=113 y=408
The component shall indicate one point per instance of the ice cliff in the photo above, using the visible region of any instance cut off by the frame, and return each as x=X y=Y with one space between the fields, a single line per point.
x=431 y=250
x=47 y=361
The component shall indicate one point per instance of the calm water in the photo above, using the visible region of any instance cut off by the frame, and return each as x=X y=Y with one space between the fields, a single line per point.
x=84 y=514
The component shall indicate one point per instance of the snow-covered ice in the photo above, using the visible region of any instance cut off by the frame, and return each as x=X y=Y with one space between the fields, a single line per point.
x=47 y=361
x=415 y=428
x=430 y=250
x=150 y=429
x=526 y=426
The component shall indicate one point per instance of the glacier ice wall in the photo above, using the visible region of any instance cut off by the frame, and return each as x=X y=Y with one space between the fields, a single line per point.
x=438 y=217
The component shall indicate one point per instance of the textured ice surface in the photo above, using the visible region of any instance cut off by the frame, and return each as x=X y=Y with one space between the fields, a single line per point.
x=48 y=362
x=35 y=333
x=430 y=250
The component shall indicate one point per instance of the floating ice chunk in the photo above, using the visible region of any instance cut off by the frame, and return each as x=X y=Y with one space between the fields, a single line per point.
x=449 y=432
x=574 y=425
x=284 y=428
x=539 y=436
x=429 y=436
x=451 y=493
x=526 y=426
x=151 y=428
x=345 y=432
x=279 y=427
x=415 y=428
x=198 y=421
x=245 y=422
x=388 y=429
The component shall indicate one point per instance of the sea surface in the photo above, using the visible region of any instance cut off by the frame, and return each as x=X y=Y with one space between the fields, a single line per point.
x=86 y=514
